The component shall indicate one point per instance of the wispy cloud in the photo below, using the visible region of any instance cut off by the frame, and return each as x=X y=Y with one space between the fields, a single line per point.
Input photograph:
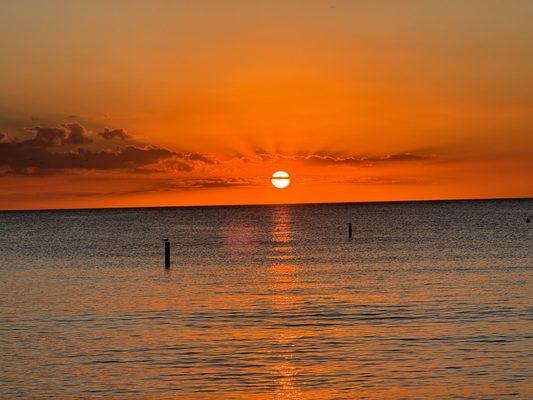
x=210 y=183
x=387 y=158
x=147 y=186
x=382 y=180
x=330 y=159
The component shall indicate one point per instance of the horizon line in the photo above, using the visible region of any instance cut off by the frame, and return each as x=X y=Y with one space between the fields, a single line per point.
x=268 y=204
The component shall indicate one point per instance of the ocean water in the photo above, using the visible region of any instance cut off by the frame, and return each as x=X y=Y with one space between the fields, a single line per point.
x=428 y=300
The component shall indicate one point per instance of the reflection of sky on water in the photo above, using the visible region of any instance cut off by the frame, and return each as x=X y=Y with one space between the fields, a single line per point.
x=239 y=237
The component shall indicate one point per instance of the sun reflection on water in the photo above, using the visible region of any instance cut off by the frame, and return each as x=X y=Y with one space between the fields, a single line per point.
x=284 y=283
x=281 y=236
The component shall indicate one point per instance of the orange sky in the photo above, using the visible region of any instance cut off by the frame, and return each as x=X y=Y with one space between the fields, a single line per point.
x=137 y=103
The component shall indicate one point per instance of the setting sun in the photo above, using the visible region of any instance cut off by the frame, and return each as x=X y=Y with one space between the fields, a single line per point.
x=280 y=179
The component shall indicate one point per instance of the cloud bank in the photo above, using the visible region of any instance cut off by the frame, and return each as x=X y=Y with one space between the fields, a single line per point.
x=61 y=148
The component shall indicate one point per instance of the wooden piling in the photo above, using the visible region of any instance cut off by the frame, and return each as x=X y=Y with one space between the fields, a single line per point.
x=349 y=230
x=167 y=253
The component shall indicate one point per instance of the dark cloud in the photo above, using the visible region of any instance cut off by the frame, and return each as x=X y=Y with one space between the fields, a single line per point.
x=236 y=155
x=147 y=171
x=76 y=134
x=19 y=157
x=202 y=157
x=177 y=164
x=50 y=151
x=41 y=154
x=112 y=134
x=56 y=136
x=46 y=137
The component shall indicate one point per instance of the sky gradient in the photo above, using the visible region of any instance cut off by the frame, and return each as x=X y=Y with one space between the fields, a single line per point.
x=161 y=103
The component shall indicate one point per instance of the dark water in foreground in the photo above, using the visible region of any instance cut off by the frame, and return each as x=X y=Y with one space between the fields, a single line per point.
x=429 y=300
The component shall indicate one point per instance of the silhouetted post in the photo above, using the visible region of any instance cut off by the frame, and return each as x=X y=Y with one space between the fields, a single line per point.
x=349 y=230
x=528 y=220
x=167 y=253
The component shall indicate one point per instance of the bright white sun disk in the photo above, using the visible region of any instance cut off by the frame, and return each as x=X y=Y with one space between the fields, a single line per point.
x=280 y=179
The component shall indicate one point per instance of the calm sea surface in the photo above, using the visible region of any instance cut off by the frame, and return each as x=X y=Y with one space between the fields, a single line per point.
x=429 y=300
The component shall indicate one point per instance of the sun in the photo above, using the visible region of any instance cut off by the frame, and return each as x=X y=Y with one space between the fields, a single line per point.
x=280 y=179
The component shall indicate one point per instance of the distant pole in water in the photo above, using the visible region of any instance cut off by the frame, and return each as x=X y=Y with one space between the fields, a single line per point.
x=167 y=253
x=349 y=230
x=528 y=220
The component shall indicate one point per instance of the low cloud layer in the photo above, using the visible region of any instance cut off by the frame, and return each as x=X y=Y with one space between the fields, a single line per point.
x=18 y=157
x=146 y=186
x=381 y=180
x=51 y=150
x=326 y=159
x=72 y=147
x=210 y=183
x=398 y=157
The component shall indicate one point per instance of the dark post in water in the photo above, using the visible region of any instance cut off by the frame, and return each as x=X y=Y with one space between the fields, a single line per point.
x=167 y=253
x=349 y=230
